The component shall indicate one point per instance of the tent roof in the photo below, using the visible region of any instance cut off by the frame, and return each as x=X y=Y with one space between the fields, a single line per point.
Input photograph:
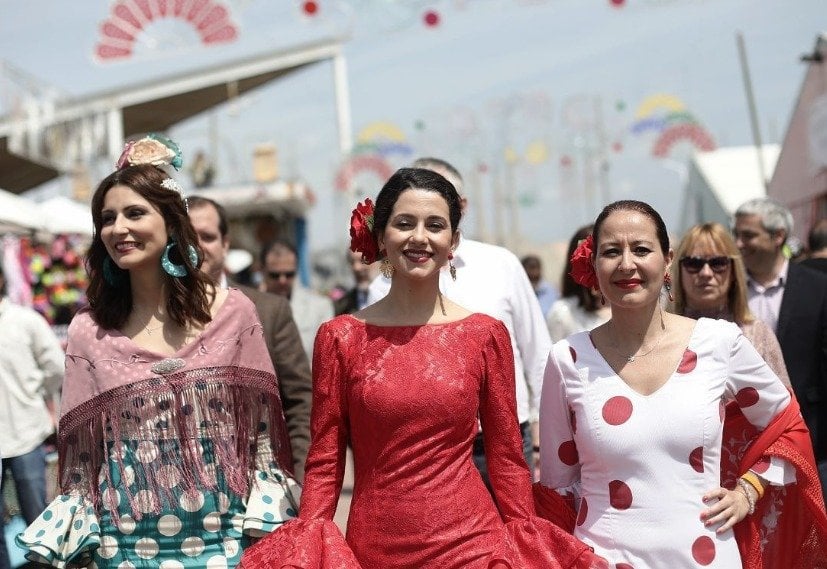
x=156 y=105
x=732 y=173
x=18 y=214
x=63 y=215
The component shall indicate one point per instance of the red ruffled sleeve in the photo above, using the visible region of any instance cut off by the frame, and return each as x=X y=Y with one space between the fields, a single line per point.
x=313 y=541
x=300 y=544
x=529 y=541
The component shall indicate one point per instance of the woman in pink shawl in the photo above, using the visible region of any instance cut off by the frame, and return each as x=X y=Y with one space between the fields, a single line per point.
x=171 y=440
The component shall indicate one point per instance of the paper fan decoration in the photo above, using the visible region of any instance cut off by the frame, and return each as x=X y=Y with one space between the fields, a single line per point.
x=130 y=21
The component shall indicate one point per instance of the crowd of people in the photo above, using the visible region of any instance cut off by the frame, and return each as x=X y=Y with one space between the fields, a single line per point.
x=662 y=407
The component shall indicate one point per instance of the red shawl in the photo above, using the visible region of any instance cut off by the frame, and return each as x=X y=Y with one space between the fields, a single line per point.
x=789 y=527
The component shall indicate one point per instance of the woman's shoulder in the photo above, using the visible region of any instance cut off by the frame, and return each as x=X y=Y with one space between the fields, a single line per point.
x=717 y=328
x=83 y=323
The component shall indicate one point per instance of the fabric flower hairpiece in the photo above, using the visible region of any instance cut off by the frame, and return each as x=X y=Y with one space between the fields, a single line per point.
x=156 y=150
x=582 y=268
x=362 y=239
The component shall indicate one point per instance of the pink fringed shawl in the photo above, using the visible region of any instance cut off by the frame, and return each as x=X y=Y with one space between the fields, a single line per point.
x=218 y=391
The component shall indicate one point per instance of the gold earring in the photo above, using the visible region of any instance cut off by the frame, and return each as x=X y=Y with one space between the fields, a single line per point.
x=451 y=268
x=386 y=268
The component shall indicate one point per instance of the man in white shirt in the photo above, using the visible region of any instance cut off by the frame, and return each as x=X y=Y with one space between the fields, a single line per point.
x=31 y=371
x=792 y=300
x=491 y=280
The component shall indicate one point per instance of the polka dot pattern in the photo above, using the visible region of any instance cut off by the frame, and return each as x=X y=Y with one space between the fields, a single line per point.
x=747 y=397
x=207 y=534
x=688 y=361
x=761 y=465
x=703 y=550
x=617 y=410
x=696 y=459
x=624 y=566
x=620 y=495
x=568 y=453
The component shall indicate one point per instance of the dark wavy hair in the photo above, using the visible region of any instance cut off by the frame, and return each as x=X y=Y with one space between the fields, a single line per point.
x=640 y=207
x=188 y=300
x=421 y=179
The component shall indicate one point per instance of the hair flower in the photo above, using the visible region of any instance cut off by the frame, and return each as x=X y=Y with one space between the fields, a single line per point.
x=582 y=267
x=362 y=239
x=154 y=149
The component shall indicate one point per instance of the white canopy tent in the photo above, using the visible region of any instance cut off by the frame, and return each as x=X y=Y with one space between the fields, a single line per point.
x=721 y=180
x=18 y=215
x=63 y=215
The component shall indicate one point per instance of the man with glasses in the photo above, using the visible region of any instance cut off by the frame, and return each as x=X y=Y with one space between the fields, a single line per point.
x=792 y=300
x=310 y=309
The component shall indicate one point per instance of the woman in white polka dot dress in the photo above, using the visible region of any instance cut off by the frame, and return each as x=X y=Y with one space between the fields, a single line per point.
x=172 y=442
x=631 y=419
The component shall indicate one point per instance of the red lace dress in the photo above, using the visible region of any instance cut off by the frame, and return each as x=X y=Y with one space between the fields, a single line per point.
x=407 y=399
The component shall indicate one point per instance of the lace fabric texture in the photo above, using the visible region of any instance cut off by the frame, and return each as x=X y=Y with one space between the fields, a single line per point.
x=407 y=399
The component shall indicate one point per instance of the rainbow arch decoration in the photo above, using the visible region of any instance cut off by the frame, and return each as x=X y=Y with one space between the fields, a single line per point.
x=670 y=118
x=693 y=133
x=383 y=138
x=360 y=164
x=128 y=19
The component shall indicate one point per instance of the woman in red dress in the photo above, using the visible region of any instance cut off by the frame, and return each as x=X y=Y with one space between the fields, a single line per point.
x=404 y=382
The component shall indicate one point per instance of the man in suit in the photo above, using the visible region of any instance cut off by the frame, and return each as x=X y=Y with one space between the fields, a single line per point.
x=356 y=298
x=792 y=300
x=283 y=341
x=280 y=263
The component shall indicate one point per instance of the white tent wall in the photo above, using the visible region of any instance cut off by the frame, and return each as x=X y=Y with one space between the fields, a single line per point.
x=721 y=180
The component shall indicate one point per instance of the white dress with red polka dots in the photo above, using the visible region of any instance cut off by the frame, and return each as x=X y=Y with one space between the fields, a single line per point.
x=640 y=464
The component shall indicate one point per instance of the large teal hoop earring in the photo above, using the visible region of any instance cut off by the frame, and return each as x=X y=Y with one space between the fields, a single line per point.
x=171 y=268
x=112 y=275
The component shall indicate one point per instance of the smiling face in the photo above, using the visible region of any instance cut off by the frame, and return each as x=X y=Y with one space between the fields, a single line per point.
x=133 y=231
x=418 y=236
x=629 y=261
x=708 y=288
x=759 y=248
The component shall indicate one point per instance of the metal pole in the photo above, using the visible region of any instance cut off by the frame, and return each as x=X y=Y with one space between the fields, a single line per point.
x=342 y=104
x=753 y=114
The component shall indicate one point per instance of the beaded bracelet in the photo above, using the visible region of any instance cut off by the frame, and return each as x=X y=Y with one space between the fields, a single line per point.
x=753 y=479
x=744 y=486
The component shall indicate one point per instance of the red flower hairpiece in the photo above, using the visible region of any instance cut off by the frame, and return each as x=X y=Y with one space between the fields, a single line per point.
x=582 y=268
x=362 y=239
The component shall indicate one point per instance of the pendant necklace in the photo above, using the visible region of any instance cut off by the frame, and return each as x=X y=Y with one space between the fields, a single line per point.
x=631 y=359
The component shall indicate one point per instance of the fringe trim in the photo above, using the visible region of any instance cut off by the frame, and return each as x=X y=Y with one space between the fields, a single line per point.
x=159 y=432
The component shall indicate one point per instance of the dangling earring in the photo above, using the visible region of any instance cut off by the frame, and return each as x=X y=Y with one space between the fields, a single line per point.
x=386 y=268
x=112 y=274
x=451 y=268
x=171 y=268
x=667 y=284
x=602 y=300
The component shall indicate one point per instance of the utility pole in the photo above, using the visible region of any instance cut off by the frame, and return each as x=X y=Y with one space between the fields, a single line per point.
x=753 y=113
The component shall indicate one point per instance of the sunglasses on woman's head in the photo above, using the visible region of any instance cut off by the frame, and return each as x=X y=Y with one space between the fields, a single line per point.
x=695 y=264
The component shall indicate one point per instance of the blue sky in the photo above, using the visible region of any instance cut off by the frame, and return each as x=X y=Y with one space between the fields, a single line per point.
x=525 y=94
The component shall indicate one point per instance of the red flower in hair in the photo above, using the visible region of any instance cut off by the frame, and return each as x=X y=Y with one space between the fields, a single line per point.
x=582 y=269
x=362 y=239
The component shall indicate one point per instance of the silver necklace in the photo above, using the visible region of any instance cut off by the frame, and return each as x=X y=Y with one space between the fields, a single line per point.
x=633 y=357
x=149 y=330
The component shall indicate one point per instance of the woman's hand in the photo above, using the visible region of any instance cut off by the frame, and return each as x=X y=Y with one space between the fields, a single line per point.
x=732 y=507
